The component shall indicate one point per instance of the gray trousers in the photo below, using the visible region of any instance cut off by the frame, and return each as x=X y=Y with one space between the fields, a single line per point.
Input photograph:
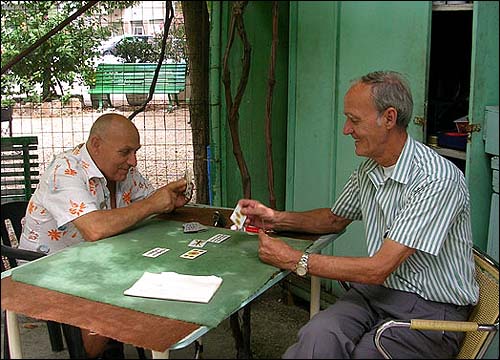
x=346 y=329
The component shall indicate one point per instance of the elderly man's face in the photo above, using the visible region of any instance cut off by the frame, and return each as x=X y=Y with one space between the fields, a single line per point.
x=116 y=152
x=363 y=122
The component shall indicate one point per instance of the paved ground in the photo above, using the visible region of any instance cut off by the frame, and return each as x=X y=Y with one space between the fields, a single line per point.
x=274 y=327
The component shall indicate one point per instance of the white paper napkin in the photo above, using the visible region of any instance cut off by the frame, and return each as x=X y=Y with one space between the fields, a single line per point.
x=174 y=286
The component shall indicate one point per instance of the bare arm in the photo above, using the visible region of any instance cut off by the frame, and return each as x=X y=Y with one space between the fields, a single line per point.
x=367 y=270
x=317 y=221
x=100 y=224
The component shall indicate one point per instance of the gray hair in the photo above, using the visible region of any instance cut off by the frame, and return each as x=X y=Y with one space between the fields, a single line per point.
x=390 y=88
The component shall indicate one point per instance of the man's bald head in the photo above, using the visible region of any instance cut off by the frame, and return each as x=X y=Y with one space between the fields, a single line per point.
x=112 y=144
x=111 y=123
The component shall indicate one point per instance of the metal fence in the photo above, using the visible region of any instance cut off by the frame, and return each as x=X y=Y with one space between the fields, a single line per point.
x=164 y=127
x=166 y=152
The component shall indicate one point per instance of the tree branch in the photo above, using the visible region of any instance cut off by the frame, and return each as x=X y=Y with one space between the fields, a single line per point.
x=233 y=108
x=269 y=104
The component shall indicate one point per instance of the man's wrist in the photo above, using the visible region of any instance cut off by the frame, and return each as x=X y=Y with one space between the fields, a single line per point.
x=302 y=266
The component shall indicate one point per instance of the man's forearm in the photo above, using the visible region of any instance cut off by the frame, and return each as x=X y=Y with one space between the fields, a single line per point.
x=318 y=221
x=100 y=224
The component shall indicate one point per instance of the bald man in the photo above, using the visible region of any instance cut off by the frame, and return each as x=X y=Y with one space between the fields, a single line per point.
x=95 y=191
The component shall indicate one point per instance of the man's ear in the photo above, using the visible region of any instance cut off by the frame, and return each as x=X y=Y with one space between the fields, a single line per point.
x=390 y=117
x=94 y=143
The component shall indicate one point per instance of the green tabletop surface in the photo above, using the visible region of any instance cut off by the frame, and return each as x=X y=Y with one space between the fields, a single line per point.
x=102 y=270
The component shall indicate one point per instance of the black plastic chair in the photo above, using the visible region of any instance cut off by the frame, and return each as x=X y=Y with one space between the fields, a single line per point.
x=14 y=212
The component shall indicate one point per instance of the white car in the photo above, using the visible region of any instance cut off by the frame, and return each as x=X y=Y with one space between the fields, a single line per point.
x=109 y=46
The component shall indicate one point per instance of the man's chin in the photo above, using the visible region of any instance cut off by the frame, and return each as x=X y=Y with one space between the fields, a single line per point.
x=359 y=151
x=120 y=177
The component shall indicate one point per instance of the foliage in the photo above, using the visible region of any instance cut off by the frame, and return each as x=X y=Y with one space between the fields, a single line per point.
x=64 y=58
x=149 y=52
x=136 y=51
x=6 y=102
x=176 y=43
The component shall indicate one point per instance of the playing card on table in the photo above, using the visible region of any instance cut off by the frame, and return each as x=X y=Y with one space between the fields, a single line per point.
x=238 y=218
x=218 y=238
x=194 y=226
x=193 y=254
x=197 y=243
x=155 y=252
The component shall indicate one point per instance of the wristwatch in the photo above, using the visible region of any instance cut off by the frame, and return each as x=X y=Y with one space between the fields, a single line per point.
x=301 y=267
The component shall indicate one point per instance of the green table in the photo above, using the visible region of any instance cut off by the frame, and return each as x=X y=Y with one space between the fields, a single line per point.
x=99 y=272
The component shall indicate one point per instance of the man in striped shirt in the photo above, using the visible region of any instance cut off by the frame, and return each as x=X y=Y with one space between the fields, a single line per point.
x=415 y=207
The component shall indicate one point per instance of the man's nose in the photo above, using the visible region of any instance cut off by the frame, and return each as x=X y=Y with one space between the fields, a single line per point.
x=347 y=128
x=132 y=160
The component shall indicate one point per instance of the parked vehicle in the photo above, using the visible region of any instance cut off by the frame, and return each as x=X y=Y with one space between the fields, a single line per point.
x=109 y=46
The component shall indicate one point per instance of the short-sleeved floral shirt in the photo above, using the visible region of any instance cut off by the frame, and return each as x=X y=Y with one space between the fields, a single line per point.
x=73 y=186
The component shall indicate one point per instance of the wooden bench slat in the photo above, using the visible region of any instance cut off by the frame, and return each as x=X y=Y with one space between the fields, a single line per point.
x=15 y=157
x=18 y=173
x=19 y=166
x=20 y=192
x=7 y=182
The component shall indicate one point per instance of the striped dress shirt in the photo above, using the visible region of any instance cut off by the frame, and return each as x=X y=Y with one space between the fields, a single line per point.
x=424 y=205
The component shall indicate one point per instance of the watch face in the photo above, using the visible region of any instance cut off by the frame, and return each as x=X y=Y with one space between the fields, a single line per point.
x=301 y=270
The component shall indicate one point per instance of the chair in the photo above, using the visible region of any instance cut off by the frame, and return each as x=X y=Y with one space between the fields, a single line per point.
x=14 y=212
x=482 y=324
x=20 y=168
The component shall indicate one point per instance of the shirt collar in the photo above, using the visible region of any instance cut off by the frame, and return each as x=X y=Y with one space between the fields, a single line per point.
x=87 y=162
x=402 y=170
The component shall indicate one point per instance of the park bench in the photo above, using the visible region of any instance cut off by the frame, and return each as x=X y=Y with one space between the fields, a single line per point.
x=20 y=168
x=134 y=80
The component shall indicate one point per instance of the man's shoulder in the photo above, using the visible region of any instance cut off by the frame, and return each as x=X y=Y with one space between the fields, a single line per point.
x=434 y=162
x=66 y=161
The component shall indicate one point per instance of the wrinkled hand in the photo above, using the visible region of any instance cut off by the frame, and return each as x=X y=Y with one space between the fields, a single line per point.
x=169 y=197
x=178 y=188
x=257 y=214
x=276 y=252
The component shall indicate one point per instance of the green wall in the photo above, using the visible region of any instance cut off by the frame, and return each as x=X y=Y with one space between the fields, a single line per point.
x=312 y=106
x=322 y=47
x=258 y=26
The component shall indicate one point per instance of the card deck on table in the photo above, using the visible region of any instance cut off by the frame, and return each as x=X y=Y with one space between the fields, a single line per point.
x=155 y=252
x=197 y=243
x=191 y=227
x=238 y=218
x=193 y=254
x=218 y=238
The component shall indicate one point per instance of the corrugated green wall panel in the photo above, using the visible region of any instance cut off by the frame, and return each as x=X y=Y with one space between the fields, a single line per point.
x=258 y=25
x=311 y=129
x=377 y=36
x=484 y=91
x=324 y=45
x=334 y=42
x=380 y=36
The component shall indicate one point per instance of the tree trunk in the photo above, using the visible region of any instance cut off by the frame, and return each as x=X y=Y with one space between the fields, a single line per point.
x=196 y=24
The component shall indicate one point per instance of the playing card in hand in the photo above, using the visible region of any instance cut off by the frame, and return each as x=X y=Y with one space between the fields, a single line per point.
x=189 y=187
x=238 y=218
